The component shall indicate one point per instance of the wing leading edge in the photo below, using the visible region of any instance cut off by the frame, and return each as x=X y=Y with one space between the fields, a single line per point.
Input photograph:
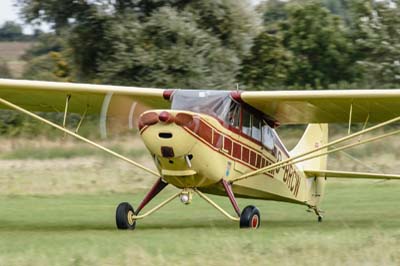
x=327 y=106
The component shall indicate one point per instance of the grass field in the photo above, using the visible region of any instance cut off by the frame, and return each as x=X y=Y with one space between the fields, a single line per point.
x=361 y=228
x=59 y=210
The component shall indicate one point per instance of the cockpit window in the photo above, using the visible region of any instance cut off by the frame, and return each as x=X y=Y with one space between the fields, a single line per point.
x=256 y=128
x=246 y=123
x=219 y=104
x=234 y=114
x=214 y=103
x=268 y=138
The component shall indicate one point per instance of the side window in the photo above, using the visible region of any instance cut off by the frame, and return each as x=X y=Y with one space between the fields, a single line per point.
x=256 y=128
x=234 y=115
x=246 y=123
x=267 y=137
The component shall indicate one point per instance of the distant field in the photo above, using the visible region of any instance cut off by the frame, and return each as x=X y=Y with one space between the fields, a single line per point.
x=11 y=52
x=41 y=166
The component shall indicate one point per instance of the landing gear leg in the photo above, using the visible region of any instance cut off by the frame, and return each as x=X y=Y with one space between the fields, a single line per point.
x=250 y=216
x=231 y=196
x=125 y=211
x=157 y=187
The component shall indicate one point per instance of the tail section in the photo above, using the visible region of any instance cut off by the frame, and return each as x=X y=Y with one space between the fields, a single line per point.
x=314 y=137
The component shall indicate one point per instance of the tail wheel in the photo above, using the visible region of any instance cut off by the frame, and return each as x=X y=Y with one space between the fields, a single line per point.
x=123 y=216
x=250 y=217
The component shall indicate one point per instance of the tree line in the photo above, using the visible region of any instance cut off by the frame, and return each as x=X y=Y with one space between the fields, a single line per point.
x=297 y=44
x=12 y=31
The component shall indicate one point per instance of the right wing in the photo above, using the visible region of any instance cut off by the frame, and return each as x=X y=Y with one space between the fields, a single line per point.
x=325 y=106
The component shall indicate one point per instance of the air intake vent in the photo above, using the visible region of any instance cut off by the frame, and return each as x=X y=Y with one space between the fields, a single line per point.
x=167 y=152
x=165 y=135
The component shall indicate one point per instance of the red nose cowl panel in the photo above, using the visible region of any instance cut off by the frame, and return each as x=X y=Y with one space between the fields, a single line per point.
x=165 y=117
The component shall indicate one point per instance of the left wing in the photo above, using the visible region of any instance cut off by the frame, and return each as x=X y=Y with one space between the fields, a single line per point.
x=326 y=106
x=117 y=104
x=344 y=174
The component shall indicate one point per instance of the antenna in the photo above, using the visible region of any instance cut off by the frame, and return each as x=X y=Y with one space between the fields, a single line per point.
x=237 y=86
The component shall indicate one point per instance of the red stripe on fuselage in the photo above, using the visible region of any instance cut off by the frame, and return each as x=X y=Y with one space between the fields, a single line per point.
x=247 y=156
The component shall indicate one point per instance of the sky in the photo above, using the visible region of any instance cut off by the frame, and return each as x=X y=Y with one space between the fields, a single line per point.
x=9 y=12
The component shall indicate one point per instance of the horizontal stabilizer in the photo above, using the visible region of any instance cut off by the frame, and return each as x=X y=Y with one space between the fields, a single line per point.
x=344 y=174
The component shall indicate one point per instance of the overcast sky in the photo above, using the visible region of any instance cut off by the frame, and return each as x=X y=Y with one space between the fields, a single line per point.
x=7 y=11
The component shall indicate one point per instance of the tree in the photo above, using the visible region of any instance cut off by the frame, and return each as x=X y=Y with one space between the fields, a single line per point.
x=268 y=65
x=51 y=66
x=340 y=8
x=154 y=42
x=273 y=11
x=309 y=48
x=319 y=45
x=376 y=39
x=11 y=31
x=167 y=50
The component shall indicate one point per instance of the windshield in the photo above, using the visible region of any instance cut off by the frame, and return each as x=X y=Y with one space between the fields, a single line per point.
x=214 y=103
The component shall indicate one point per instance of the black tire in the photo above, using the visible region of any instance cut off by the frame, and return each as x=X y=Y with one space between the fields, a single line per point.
x=250 y=218
x=122 y=216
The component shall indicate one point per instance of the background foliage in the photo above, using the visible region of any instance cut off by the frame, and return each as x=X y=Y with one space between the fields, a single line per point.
x=297 y=44
x=213 y=44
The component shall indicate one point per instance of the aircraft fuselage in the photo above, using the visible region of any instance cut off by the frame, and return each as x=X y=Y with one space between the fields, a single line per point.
x=193 y=149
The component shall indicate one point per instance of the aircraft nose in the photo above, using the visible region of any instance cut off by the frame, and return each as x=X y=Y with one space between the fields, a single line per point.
x=164 y=133
x=165 y=117
x=151 y=118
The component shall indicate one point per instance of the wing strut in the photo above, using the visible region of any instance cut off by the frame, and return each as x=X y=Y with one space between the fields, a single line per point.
x=350 y=117
x=20 y=109
x=308 y=155
x=67 y=99
x=81 y=120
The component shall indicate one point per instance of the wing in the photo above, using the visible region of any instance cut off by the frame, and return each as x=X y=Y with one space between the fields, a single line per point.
x=344 y=174
x=328 y=106
x=118 y=103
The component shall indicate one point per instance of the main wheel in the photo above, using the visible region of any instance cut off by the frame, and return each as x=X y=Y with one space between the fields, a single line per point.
x=123 y=216
x=250 y=217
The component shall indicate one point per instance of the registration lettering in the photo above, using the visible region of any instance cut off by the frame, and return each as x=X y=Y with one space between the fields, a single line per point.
x=292 y=179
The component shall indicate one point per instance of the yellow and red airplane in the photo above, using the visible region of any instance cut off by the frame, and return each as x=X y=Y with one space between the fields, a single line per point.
x=220 y=142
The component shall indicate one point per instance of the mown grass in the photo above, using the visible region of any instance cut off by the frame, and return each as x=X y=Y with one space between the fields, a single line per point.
x=361 y=228
x=59 y=210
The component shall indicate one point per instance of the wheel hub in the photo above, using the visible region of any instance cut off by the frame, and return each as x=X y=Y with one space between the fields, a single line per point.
x=130 y=219
x=254 y=221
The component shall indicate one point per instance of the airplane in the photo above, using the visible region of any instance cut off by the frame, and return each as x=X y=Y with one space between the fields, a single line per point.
x=219 y=142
